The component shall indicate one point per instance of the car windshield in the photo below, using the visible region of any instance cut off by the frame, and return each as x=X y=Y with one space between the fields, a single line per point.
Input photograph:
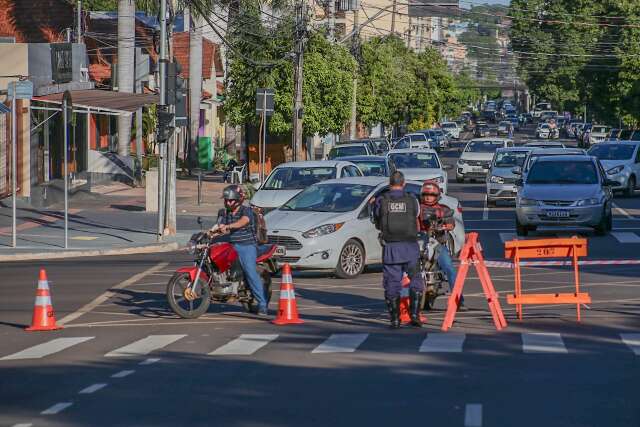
x=510 y=159
x=371 y=167
x=337 y=197
x=504 y=124
x=415 y=137
x=449 y=125
x=562 y=172
x=483 y=146
x=599 y=129
x=415 y=160
x=612 y=151
x=352 y=150
x=291 y=178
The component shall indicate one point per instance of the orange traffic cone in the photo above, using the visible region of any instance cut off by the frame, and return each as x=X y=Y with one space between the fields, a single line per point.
x=288 y=308
x=44 y=318
x=404 y=302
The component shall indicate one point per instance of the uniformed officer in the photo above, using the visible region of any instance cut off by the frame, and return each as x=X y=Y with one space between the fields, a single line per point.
x=396 y=215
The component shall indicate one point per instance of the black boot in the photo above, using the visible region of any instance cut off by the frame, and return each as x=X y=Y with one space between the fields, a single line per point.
x=415 y=299
x=394 y=312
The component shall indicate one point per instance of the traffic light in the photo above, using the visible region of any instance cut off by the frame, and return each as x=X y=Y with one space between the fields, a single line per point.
x=173 y=76
x=165 y=126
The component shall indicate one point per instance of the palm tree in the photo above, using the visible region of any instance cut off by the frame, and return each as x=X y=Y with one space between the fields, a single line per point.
x=126 y=58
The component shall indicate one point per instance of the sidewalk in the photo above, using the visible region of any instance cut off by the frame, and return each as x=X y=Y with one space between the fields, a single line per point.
x=110 y=220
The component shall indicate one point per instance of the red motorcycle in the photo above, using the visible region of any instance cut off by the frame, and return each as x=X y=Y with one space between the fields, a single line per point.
x=217 y=276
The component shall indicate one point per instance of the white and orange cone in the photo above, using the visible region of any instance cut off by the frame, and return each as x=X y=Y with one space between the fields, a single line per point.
x=288 y=308
x=44 y=318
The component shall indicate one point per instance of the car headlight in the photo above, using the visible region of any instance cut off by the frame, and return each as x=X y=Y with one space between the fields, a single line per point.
x=588 y=202
x=496 y=179
x=615 y=170
x=322 y=230
x=527 y=202
x=462 y=162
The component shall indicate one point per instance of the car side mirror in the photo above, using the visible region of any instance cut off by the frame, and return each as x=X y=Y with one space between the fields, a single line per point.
x=519 y=182
x=517 y=170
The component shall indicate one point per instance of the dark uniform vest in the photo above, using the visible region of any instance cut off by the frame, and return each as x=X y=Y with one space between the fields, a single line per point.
x=398 y=218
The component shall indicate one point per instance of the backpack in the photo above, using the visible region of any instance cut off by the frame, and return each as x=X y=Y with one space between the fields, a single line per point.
x=259 y=226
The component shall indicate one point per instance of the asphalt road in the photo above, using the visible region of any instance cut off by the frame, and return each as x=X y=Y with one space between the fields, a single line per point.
x=124 y=359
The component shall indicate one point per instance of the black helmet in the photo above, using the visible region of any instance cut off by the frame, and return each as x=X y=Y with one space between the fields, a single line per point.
x=232 y=192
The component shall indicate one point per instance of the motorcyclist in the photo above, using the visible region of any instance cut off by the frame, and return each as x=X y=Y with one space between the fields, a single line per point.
x=431 y=208
x=236 y=220
x=396 y=215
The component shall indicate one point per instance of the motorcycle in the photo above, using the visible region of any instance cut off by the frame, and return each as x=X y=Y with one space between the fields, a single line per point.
x=433 y=276
x=217 y=277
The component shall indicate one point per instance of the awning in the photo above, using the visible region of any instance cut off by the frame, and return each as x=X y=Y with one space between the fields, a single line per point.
x=106 y=100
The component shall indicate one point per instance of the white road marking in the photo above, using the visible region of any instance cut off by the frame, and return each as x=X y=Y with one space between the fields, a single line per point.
x=105 y=296
x=507 y=237
x=442 y=343
x=341 y=343
x=123 y=374
x=23 y=425
x=145 y=345
x=150 y=361
x=47 y=348
x=633 y=341
x=485 y=210
x=244 y=345
x=58 y=407
x=93 y=388
x=540 y=342
x=622 y=211
x=473 y=415
x=625 y=237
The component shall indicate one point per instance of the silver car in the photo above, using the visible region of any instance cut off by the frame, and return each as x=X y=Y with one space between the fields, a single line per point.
x=621 y=161
x=564 y=191
x=502 y=176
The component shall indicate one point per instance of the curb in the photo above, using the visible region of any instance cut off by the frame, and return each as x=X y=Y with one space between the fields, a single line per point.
x=79 y=253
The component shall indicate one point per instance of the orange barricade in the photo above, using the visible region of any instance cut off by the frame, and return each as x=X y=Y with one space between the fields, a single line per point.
x=573 y=247
x=472 y=254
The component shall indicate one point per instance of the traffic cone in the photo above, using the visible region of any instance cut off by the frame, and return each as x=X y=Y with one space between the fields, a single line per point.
x=405 y=304
x=288 y=308
x=44 y=318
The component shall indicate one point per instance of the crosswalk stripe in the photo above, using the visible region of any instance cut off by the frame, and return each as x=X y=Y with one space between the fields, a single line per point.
x=123 y=374
x=244 y=345
x=341 y=343
x=58 y=407
x=626 y=237
x=632 y=341
x=506 y=237
x=145 y=345
x=473 y=415
x=47 y=348
x=442 y=343
x=92 y=388
x=539 y=342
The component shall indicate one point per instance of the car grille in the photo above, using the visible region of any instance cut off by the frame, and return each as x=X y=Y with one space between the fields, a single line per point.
x=478 y=163
x=289 y=243
x=290 y=259
x=558 y=202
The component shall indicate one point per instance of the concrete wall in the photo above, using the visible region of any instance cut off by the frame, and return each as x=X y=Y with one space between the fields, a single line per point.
x=110 y=166
x=14 y=62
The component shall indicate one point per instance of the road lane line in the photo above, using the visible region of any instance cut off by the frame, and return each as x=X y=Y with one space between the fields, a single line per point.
x=244 y=345
x=123 y=374
x=442 y=343
x=145 y=345
x=105 y=296
x=632 y=341
x=625 y=237
x=23 y=425
x=622 y=211
x=485 y=210
x=58 y=407
x=507 y=237
x=150 y=361
x=341 y=343
x=542 y=342
x=45 y=349
x=93 y=388
x=473 y=415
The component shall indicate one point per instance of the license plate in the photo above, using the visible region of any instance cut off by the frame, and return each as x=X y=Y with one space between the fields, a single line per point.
x=280 y=251
x=558 y=214
x=478 y=169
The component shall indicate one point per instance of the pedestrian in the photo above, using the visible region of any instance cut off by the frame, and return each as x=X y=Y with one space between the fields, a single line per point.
x=396 y=215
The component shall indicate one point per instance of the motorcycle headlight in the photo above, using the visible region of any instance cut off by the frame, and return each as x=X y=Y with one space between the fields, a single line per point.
x=322 y=230
x=588 y=202
x=615 y=170
x=496 y=179
x=527 y=202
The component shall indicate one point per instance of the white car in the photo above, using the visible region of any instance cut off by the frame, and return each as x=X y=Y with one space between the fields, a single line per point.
x=288 y=179
x=475 y=160
x=543 y=131
x=414 y=140
x=328 y=226
x=419 y=165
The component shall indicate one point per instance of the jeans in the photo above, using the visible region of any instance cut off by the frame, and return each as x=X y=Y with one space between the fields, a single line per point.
x=446 y=264
x=247 y=255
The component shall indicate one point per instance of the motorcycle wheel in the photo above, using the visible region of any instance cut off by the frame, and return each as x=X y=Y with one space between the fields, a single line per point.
x=180 y=304
x=251 y=306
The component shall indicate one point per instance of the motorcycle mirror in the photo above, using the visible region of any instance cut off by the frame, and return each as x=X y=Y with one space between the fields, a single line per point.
x=199 y=221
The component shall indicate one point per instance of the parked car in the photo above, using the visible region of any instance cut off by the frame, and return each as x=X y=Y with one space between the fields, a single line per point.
x=288 y=179
x=419 y=165
x=502 y=177
x=564 y=191
x=327 y=226
x=372 y=165
x=351 y=149
x=621 y=161
x=452 y=129
x=475 y=160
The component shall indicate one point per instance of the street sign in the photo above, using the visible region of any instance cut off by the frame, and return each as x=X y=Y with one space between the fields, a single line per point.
x=20 y=90
x=264 y=101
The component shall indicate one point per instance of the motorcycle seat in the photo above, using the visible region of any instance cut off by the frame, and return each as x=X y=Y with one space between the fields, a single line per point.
x=265 y=252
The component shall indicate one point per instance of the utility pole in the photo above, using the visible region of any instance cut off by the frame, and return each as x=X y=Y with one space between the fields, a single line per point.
x=162 y=146
x=354 y=95
x=79 y=23
x=393 y=17
x=332 y=20
x=300 y=33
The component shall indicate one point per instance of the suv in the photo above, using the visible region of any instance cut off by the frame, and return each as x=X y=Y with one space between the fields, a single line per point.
x=598 y=134
x=475 y=160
